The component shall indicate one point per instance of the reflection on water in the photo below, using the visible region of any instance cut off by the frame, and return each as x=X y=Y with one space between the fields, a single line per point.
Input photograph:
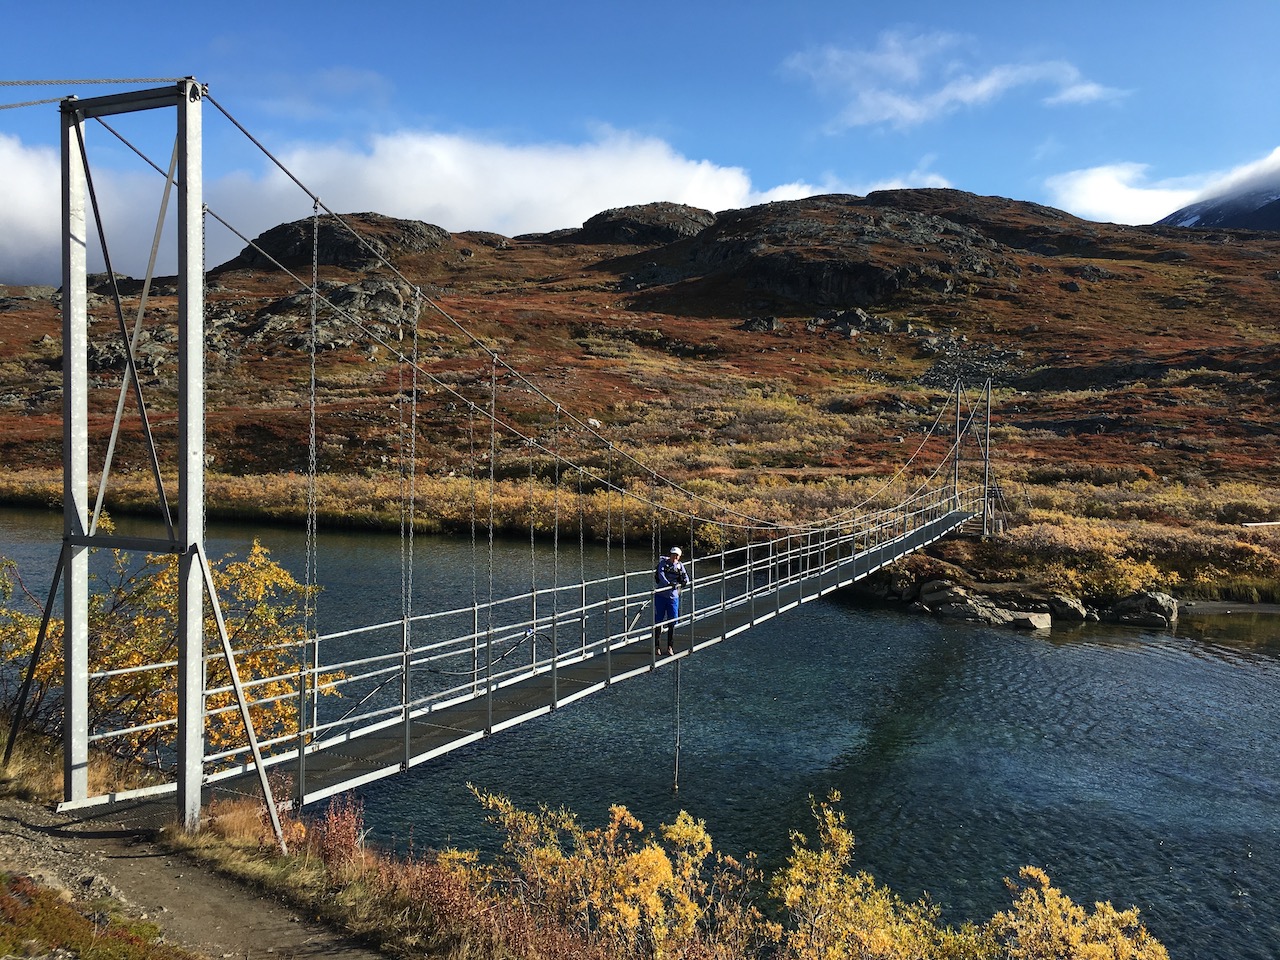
x=1136 y=766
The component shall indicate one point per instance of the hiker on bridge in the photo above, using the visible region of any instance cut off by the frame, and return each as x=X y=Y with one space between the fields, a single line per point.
x=668 y=579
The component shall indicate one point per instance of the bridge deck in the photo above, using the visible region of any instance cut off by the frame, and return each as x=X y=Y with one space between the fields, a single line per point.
x=364 y=756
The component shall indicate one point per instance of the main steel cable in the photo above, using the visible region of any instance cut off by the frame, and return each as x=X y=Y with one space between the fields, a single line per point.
x=85 y=83
x=271 y=156
x=31 y=103
x=476 y=341
x=755 y=522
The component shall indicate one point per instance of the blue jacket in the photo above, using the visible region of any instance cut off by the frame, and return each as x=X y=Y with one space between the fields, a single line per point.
x=670 y=574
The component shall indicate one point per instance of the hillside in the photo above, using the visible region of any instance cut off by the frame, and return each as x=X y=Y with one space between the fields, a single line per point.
x=1254 y=205
x=800 y=340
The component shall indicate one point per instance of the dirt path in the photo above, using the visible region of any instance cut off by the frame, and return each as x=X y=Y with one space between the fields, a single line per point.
x=196 y=908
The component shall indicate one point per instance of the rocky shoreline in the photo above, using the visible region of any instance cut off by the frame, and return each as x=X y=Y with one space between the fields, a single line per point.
x=1013 y=605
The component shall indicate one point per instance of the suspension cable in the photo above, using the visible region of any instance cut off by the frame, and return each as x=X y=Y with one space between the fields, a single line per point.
x=83 y=83
x=752 y=522
x=473 y=338
x=31 y=103
x=309 y=611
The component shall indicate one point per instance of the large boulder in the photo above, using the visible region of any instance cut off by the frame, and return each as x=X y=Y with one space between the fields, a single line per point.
x=1149 y=609
x=1067 y=608
x=982 y=610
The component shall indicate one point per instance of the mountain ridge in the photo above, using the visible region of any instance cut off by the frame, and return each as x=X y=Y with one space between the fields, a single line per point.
x=666 y=312
x=1254 y=206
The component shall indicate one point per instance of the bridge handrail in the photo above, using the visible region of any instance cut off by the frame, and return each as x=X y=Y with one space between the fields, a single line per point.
x=721 y=582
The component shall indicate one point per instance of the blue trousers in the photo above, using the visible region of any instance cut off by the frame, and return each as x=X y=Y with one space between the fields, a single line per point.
x=666 y=607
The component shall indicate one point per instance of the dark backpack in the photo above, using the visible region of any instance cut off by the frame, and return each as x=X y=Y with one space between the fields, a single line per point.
x=661 y=572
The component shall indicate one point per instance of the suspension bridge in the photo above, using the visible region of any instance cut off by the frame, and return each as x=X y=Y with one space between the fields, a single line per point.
x=374 y=700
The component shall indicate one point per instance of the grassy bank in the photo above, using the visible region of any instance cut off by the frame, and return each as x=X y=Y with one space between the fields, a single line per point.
x=563 y=889
x=1096 y=533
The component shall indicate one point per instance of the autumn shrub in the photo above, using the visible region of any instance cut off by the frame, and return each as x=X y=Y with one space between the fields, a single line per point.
x=833 y=914
x=623 y=892
x=132 y=648
x=341 y=832
x=560 y=890
x=1044 y=924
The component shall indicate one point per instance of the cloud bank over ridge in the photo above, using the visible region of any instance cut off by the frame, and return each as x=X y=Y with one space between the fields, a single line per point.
x=454 y=181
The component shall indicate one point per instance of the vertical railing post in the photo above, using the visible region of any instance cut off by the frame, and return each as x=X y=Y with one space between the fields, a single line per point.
x=955 y=468
x=693 y=595
x=777 y=587
x=75 y=459
x=986 y=475
x=406 y=689
x=488 y=674
x=626 y=602
x=475 y=648
x=191 y=451
x=724 y=598
x=300 y=777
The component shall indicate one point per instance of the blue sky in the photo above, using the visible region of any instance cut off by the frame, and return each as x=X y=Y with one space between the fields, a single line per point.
x=519 y=117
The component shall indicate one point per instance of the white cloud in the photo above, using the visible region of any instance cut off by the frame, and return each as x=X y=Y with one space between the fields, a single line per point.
x=906 y=81
x=899 y=59
x=463 y=183
x=457 y=182
x=30 y=212
x=1257 y=174
x=1122 y=192
x=920 y=177
x=1117 y=193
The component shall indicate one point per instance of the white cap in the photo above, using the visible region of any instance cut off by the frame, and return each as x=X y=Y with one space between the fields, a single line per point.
x=674 y=551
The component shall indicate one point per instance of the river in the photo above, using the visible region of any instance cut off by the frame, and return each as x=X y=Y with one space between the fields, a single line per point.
x=1136 y=766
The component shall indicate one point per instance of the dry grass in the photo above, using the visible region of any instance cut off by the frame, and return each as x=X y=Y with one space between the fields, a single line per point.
x=562 y=890
x=34 y=772
x=1154 y=372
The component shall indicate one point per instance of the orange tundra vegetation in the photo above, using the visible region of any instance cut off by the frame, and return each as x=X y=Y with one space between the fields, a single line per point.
x=782 y=359
x=560 y=889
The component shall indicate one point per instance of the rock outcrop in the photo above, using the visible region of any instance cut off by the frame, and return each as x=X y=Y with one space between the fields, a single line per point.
x=372 y=305
x=1010 y=607
x=649 y=225
x=841 y=250
x=290 y=244
x=1003 y=606
x=950 y=601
